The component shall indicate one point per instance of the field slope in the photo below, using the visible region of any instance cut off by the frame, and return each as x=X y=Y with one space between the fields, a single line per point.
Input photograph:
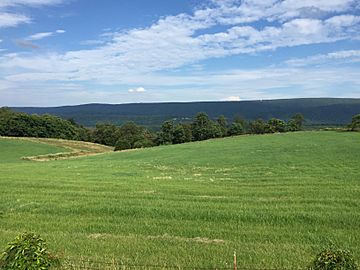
x=53 y=149
x=274 y=199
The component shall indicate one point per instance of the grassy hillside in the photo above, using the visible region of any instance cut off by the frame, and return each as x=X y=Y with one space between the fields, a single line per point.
x=73 y=149
x=45 y=149
x=317 y=111
x=275 y=199
x=13 y=149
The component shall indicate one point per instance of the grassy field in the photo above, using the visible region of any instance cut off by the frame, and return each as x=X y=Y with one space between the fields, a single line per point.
x=275 y=199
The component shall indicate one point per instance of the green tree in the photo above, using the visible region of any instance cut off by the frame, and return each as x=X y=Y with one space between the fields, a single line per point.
x=223 y=124
x=49 y=126
x=132 y=136
x=258 y=126
x=143 y=143
x=179 y=134
x=106 y=133
x=166 y=135
x=188 y=132
x=122 y=144
x=216 y=130
x=5 y=114
x=295 y=123
x=131 y=133
x=275 y=125
x=236 y=129
x=355 y=122
x=203 y=128
x=240 y=120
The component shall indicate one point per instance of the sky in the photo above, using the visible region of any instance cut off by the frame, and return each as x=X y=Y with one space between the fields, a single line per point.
x=67 y=52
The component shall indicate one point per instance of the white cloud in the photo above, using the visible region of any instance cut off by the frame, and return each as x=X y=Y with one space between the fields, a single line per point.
x=343 y=21
x=42 y=35
x=12 y=3
x=137 y=90
x=345 y=56
x=12 y=19
x=39 y=36
x=232 y=98
x=239 y=12
x=170 y=43
x=92 y=42
x=267 y=83
x=137 y=56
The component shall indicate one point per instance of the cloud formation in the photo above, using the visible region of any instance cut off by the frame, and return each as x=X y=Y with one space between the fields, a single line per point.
x=13 y=19
x=172 y=42
x=345 y=56
x=232 y=98
x=32 y=3
x=140 y=55
x=137 y=90
x=42 y=35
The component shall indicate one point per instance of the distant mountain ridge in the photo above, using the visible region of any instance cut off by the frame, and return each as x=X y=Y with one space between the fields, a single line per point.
x=317 y=111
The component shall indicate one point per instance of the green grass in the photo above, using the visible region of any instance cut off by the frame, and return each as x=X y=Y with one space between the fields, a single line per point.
x=12 y=149
x=276 y=200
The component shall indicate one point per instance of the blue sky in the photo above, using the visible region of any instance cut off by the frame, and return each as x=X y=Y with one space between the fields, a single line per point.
x=64 y=52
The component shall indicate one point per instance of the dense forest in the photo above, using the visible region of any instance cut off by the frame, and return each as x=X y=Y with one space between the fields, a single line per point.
x=317 y=111
x=44 y=126
x=131 y=135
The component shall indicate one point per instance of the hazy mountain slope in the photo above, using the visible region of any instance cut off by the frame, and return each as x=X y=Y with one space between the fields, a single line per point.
x=319 y=111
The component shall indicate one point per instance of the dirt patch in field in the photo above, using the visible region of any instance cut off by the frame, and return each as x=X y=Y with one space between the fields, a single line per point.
x=204 y=240
x=59 y=156
x=98 y=235
x=76 y=149
x=162 y=178
x=211 y=197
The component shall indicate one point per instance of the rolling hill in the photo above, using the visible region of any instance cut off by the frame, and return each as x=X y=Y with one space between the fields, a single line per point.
x=317 y=111
x=277 y=200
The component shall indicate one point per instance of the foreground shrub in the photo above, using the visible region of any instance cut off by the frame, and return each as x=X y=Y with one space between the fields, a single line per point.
x=333 y=259
x=27 y=252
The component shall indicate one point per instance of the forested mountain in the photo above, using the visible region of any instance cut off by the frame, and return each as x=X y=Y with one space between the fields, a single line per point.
x=317 y=111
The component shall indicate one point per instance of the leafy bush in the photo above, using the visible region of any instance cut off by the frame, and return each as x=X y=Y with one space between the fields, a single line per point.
x=333 y=259
x=143 y=143
x=355 y=123
x=27 y=252
x=122 y=144
x=275 y=125
x=236 y=129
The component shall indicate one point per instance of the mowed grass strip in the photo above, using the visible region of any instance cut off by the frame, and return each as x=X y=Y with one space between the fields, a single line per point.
x=275 y=199
x=13 y=149
x=65 y=149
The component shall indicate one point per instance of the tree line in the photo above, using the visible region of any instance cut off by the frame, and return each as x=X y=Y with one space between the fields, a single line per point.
x=131 y=135
x=43 y=126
